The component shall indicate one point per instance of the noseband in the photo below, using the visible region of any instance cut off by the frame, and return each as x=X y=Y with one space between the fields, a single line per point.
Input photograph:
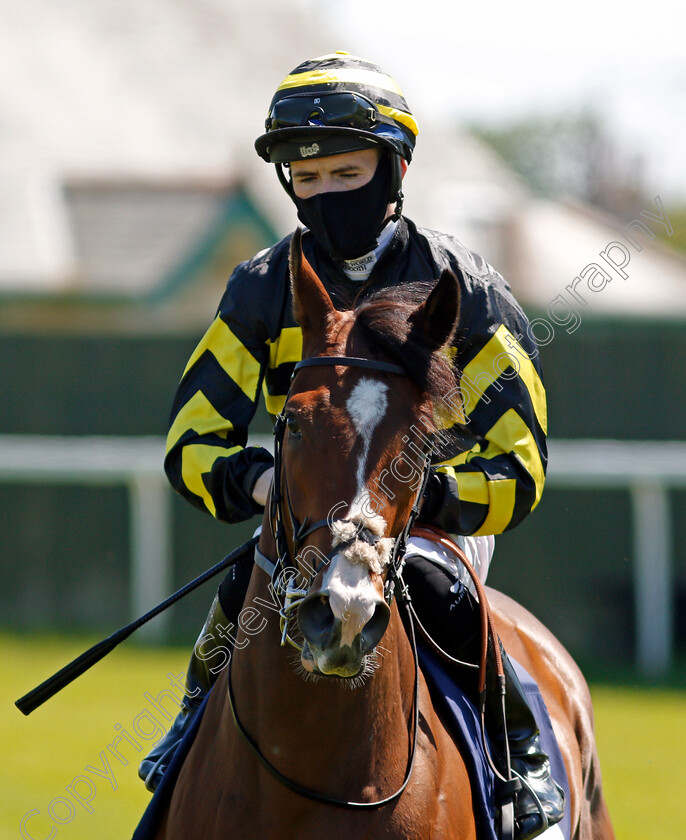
x=283 y=583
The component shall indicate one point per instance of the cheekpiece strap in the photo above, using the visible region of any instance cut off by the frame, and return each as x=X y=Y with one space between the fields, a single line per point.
x=398 y=555
x=267 y=565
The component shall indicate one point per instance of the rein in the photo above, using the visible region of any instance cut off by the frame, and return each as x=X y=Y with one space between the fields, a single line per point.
x=294 y=596
x=321 y=797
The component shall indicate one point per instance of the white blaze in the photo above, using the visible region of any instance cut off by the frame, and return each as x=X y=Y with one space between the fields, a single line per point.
x=352 y=597
x=366 y=406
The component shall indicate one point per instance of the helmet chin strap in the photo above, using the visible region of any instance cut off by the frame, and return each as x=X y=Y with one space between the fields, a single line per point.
x=397 y=186
x=286 y=183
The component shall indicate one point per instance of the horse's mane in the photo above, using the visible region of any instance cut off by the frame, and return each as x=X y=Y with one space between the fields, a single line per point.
x=385 y=319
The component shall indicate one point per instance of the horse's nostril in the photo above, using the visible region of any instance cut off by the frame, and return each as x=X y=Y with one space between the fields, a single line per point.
x=374 y=629
x=319 y=625
x=316 y=620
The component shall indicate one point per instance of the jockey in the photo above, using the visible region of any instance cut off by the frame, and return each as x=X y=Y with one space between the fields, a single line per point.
x=341 y=136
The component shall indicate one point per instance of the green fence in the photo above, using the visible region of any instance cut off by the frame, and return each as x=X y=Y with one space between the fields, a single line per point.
x=65 y=559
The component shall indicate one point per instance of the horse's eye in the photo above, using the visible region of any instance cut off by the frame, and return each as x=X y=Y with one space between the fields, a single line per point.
x=293 y=426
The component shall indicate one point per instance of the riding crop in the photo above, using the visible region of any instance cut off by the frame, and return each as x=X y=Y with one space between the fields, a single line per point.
x=37 y=696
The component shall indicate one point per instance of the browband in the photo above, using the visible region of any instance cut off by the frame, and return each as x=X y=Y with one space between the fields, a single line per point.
x=350 y=361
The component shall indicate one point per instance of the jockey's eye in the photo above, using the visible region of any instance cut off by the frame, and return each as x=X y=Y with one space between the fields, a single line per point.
x=293 y=426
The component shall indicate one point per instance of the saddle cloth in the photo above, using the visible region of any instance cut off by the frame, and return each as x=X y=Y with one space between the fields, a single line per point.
x=462 y=720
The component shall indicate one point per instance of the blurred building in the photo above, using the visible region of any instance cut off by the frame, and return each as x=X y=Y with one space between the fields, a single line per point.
x=129 y=188
x=128 y=174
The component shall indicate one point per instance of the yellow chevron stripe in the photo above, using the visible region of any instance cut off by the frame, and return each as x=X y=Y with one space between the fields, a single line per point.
x=502 y=352
x=197 y=460
x=462 y=458
x=354 y=75
x=511 y=434
x=400 y=116
x=448 y=412
x=288 y=347
x=273 y=403
x=501 y=507
x=197 y=414
x=472 y=486
x=499 y=496
x=232 y=355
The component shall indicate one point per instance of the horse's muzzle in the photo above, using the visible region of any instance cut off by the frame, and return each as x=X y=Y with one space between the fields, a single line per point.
x=324 y=634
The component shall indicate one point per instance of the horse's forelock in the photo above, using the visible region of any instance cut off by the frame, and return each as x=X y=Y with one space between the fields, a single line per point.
x=385 y=319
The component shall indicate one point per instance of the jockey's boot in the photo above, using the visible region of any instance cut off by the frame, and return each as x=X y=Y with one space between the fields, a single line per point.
x=455 y=627
x=540 y=802
x=199 y=679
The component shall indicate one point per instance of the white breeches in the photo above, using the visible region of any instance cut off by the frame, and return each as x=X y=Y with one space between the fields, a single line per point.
x=479 y=551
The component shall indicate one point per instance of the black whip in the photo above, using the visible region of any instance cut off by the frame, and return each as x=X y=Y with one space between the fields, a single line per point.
x=37 y=696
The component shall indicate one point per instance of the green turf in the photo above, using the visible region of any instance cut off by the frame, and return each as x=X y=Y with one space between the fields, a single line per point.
x=45 y=753
x=641 y=735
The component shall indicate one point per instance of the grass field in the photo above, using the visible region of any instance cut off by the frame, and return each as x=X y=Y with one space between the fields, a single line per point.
x=59 y=776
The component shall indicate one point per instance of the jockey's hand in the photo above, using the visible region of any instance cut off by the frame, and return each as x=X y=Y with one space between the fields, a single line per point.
x=261 y=489
x=432 y=500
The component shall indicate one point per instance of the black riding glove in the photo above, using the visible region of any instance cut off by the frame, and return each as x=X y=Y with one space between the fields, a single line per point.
x=432 y=500
x=441 y=503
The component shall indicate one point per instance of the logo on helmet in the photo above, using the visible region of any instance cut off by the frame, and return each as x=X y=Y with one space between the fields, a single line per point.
x=308 y=151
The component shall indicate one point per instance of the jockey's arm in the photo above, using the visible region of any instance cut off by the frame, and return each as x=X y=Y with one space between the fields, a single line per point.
x=498 y=477
x=207 y=459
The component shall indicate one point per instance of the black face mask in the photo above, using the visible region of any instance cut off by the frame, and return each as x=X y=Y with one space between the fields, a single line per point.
x=347 y=224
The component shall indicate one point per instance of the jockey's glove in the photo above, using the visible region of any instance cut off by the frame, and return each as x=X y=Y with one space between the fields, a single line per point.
x=434 y=493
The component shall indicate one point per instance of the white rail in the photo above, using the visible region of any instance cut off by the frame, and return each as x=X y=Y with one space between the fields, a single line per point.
x=648 y=470
x=133 y=462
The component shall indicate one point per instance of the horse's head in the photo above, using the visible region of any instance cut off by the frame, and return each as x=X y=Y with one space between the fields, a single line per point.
x=354 y=448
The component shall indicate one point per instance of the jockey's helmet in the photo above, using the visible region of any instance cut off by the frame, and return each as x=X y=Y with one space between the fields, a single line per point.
x=334 y=104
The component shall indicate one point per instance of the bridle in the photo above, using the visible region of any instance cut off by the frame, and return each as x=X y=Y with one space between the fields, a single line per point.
x=285 y=568
x=293 y=597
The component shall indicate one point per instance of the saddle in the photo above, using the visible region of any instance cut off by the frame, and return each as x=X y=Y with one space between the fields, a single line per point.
x=462 y=720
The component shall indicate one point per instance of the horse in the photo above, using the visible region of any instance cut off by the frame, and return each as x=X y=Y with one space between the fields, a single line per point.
x=332 y=733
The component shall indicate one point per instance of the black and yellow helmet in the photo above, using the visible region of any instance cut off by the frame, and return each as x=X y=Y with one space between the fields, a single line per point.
x=333 y=104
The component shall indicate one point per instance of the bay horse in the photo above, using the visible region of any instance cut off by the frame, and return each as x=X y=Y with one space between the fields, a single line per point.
x=341 y=739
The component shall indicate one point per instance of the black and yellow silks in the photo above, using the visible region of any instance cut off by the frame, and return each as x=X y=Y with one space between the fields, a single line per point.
x=493 y=473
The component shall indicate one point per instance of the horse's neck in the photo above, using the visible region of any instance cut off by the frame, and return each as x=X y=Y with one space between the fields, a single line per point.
x=290 y=715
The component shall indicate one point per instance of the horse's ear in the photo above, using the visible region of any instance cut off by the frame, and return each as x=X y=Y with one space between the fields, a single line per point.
x=437 y=317
x=312 y=306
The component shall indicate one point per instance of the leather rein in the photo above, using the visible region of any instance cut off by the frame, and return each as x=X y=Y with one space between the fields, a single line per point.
x=293 y=596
